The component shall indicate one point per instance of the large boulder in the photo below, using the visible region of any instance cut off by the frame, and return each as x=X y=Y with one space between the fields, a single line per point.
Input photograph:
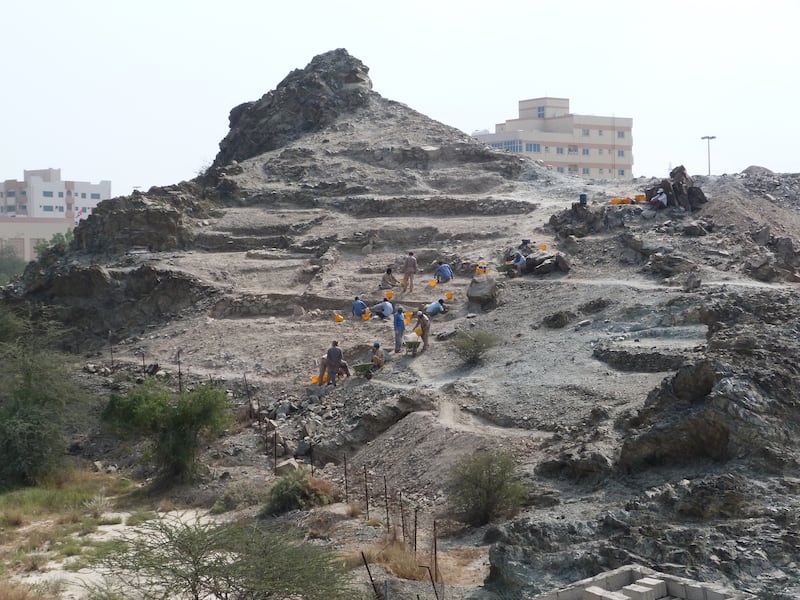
x=483 y=291
x=307 y=100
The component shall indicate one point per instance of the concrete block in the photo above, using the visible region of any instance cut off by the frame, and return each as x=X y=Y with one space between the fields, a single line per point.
x=715 y=593
x=658 y=585
x=594 y=592
x=575 y=593
x=695 y=592
x=616 y=580
x=639 y=592
x=676 y=588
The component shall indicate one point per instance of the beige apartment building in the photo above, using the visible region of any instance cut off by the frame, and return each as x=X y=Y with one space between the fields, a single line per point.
x=43 y=204
x=582 y=145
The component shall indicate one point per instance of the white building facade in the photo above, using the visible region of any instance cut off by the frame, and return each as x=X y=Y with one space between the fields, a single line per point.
x=582 y=145
x=43 y=204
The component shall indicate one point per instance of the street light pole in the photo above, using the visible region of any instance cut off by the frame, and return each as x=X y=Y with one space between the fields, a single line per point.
x=709 y=138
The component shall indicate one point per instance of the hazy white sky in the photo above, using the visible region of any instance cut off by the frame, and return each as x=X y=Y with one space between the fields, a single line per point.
x=139 y=92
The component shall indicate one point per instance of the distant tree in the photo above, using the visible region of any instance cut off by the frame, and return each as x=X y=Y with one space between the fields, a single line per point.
x=11 y=265
x=483 y=487
x=177 y=558
x=175 y=425
x=58 y=238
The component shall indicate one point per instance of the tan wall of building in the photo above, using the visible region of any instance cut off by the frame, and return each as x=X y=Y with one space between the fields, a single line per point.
x=23 y=233
x=585 y=145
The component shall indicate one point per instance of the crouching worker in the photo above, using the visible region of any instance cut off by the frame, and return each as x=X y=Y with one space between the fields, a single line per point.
x=378 y=357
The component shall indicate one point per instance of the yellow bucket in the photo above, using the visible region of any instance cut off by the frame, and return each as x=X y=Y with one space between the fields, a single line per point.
x=338 y=318
x=433 y=283
x=389 y=294
x=366 y=316
x=315 y=379
x=449 y=295
x=418 y=331
x=542 y=247
x=640 y=198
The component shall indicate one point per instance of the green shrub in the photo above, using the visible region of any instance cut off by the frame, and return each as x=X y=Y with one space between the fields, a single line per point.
x=483 y=487
x=197 y=559
x=296 y=491
x=471 y=346
x=237 y=496
x=35 y=397
x=175 y=426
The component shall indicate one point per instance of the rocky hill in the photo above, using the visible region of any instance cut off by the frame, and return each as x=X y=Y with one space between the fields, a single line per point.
x=648 y=387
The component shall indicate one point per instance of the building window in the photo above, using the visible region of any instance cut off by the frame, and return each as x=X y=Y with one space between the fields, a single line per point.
x=83 y=195
x=560 y=169
x=600 y=151
x=573 y=170
x=620 y=152
x=95 y=196
x=601 y=171
x=69 y=192
x=599 y=132
x=11 y=208
x=533 y=147
x=585 y=152
x=23 y=193
x=559 y=150
x=540 y=112
x=47 y=194
x=572 y=150
x=585 y=171
x=48 y=208
x=60 y=209
x=11 y=194
x=510 y=145
x=621 y=134
x=547 y=149
x=60 y=194
x=621 y=172
x=584 y=132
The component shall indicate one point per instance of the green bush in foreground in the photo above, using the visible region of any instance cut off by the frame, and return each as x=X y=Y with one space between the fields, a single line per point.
x=173 y=558
x=175 y=425
x=483 y=487
x=471 y=346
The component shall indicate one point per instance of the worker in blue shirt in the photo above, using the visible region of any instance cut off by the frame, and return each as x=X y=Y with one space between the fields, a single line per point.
x=434 y=308
x=383 y=309
x=359 y=307
x=443 y=273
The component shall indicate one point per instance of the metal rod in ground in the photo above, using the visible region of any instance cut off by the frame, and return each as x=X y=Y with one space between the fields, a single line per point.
x=386 y=501
x=180 y=375
x=111 y=349
x=275 y=452
x=371 y=580
x=433 y=584
x=366 y=491
x=346 y=499
x=402 y=518
x=311 y=457
x=435 y=554
x=385 y=589
x=415 y=530
x=249 y=399
x=143 y=367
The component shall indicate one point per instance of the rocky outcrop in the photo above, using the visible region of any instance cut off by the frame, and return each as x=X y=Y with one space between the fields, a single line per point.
x=307 y=100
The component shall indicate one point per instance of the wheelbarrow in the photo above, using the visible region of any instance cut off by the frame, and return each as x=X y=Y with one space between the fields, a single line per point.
x=364 y=370
x=412 y=346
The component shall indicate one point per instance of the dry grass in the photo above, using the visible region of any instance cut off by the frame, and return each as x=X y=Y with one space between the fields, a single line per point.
x=12 y=517
x=326 y=489
x=397 y=557
x=10 y=591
